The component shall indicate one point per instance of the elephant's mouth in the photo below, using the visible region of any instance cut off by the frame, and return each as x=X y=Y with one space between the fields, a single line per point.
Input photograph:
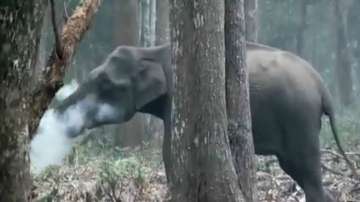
x=58 y=128
x=89 y=113
x=104 y=114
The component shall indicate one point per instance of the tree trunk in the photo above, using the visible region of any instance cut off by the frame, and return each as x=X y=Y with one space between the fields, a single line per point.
x=126 y=32
x=343 y=63
x=237 y=98
x=20 y=23
x=301 y=30
x=152 y=19
x=162 y=22
x=354 y=36
x=201 y=168
x=162 y=36
x=126 y=27
x=145 y=25
x=251 y=20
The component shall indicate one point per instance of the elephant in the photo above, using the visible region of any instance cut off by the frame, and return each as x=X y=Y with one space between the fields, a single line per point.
x=287 y=100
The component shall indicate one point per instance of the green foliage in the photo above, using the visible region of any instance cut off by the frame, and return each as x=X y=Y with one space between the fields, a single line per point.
x=97 y=145
x=108 y=174
x=112 y=172
x=50 y=172
x=50 y=175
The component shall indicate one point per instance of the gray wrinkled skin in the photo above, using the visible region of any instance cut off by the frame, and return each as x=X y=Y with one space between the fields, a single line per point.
x=287 y=97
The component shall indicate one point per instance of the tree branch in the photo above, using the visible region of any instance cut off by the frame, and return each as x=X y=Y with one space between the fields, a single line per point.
x=58 y=47
x=53 y=73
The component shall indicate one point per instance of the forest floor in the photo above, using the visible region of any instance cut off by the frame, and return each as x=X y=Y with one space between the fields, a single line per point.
x=97 y=172
x=139 y=176
x=117 y=175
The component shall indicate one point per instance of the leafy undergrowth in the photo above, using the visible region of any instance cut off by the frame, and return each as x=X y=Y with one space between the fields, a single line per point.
x=97 y=173
x=133 y=178
x=124 y=175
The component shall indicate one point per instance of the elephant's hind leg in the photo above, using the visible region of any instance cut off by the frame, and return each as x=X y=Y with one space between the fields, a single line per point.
x=301 y=160
x=306 y=176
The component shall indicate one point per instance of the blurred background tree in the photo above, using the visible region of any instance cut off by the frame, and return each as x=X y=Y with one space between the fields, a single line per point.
x=323 y=32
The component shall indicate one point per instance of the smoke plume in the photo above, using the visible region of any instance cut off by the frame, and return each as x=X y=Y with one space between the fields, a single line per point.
x=57 y=131
x=51 y=144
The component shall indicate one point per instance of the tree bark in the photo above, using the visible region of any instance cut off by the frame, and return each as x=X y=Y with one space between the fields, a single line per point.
x=162 y=22
x=131 y=133
x=201 y=168
x=126 y=27
x=251 y=20
x=20 y=23
x=145 y=25
x=237 y=98
x=52 y=75
x=152 y=22
x=343 y=63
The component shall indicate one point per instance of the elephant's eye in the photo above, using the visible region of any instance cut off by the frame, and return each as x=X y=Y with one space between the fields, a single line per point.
x=106 y=91
x=106 y=86
x=103 y=83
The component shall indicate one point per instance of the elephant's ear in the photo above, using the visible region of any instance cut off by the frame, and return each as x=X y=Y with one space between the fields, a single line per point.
x=150 y=82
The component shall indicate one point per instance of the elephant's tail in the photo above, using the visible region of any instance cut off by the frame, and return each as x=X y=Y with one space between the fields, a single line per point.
x=328 y=110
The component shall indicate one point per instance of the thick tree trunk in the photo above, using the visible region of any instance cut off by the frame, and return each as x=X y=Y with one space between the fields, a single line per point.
x=200 y=168
x=343 y=63
x=237 y=98
x=162 y=22
x=20 y=23
x=251 y=20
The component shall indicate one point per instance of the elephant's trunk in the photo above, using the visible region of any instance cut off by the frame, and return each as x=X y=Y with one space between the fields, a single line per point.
x=86 y=112
x=72 y=112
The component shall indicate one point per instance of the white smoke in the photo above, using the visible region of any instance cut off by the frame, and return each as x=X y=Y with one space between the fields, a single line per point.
x=66 y=90
x=52 y=143
x=106 y=111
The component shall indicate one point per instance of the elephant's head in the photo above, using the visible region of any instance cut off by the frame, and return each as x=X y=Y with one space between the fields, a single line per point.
x=128 y=79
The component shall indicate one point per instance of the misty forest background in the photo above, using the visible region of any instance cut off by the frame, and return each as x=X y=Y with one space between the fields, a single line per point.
x=123 y=162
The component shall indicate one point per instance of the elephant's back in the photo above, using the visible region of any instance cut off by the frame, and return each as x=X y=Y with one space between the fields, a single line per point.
x=285 y=91
x=277 y=71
